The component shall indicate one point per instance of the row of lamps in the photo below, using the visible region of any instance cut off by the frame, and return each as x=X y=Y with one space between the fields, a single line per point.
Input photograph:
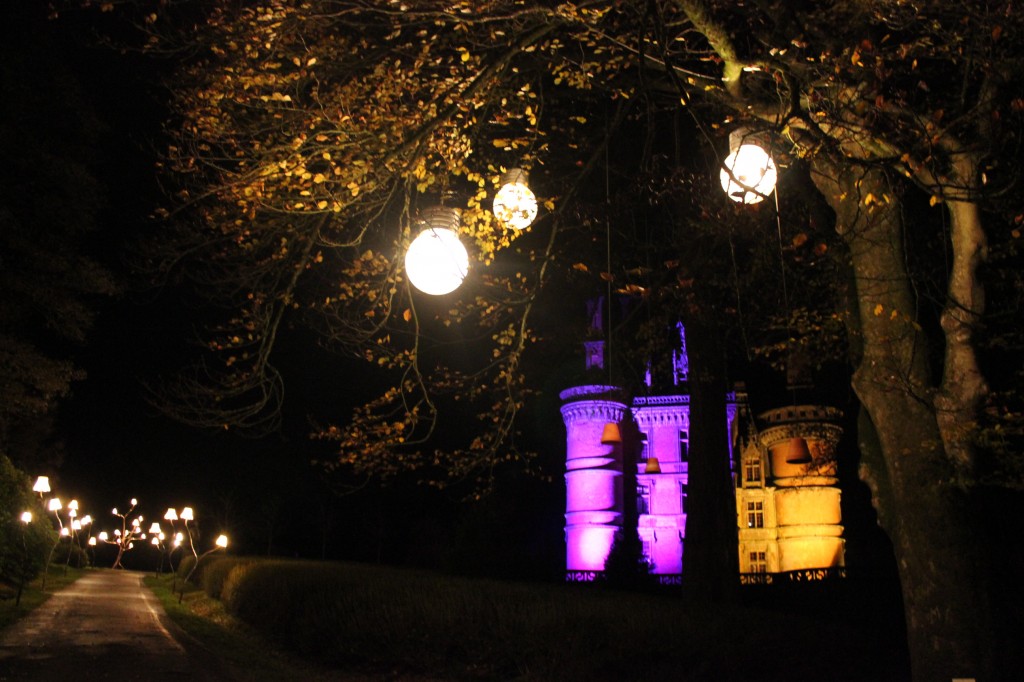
x=123 y=538
x=437 y=262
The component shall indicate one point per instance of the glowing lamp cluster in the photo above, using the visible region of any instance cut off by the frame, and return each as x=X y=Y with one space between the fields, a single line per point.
x=748 y=174
x=515 y=205
x=436 y=261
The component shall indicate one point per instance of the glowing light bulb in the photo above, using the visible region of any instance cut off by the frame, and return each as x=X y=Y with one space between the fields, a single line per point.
x=436 y=261
x=515 y=205
x=753 y=174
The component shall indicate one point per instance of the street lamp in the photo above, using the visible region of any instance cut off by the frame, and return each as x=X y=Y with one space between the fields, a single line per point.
x=157 y=541
x=42 y=485
x=437 y=262
x=748 y=173
x=186 y=516
x=220 y=543
x=124 y=536
x=26 y=518
x=55 y=506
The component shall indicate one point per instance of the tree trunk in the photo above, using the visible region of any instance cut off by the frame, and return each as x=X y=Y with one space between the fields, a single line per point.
x=711 y=562
x=963 y=386
x=925 y=514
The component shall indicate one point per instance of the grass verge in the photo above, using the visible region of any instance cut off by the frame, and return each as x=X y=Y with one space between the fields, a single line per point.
x=33 y=596
x=244 y=654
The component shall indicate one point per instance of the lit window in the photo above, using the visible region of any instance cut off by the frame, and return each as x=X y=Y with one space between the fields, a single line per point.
x=755 y=514
x=752 y=471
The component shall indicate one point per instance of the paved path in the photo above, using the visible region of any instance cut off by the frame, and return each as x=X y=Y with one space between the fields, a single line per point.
x=105 y=626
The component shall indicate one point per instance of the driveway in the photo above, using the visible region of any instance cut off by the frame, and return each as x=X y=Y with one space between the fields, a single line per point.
x=105 y=626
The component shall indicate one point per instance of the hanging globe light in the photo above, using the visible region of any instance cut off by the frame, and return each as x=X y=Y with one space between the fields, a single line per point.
x=748 y=174
x=436 y=261
x=515 y=205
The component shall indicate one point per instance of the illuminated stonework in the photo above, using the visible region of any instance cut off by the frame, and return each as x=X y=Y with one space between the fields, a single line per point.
x=594 y=472
x=787 y=501
x=593 y=476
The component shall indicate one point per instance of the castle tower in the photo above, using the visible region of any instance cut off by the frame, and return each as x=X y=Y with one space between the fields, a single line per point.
x=595 y=471
x=593 y=478
x=788 y=501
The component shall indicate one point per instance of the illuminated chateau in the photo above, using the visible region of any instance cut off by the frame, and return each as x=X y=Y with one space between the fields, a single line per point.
x=787 y=502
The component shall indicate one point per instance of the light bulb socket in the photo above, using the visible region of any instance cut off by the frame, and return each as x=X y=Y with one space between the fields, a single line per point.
x=440 y=218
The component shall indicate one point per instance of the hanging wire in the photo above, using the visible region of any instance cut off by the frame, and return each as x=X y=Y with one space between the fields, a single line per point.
x=608 y=250
x=782 y=263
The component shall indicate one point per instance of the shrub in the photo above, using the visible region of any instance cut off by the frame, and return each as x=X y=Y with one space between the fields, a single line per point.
x=185 y=566
x=215 y=573
x=23 y=548
x=70 y=554
x=235 y=576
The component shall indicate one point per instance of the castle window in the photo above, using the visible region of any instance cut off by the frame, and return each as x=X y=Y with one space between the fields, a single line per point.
x=645 y=448
x=684 y=446
x=755 y=514
x=682 y=498
x=758 y=562
x=643 y=499
x=752 y=471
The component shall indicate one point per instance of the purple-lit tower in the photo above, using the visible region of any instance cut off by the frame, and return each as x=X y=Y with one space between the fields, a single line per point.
x=594 y=470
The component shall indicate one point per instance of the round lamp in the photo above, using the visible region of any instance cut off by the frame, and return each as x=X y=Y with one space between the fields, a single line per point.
x=436 y=261
x=515 y=205
x=748 y=174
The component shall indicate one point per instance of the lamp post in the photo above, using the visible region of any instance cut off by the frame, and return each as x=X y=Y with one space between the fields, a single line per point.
x=125 y=535
x=220 y=543
x=74 y=525
x=170 y=516
x=186 y=516
x=54 y=505
x=157 y=541
x=26 y=518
